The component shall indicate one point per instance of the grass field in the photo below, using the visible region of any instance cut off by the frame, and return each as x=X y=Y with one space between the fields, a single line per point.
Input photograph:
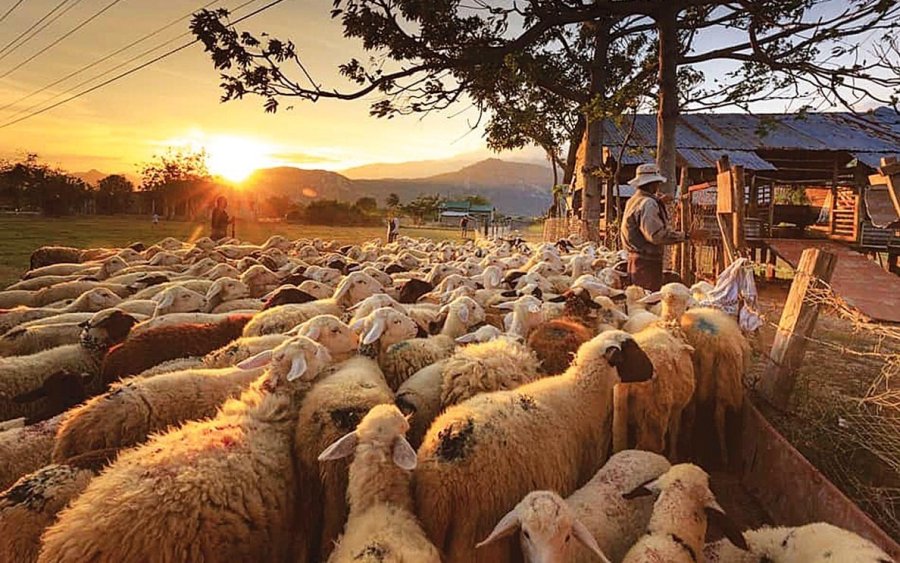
x=19 y=235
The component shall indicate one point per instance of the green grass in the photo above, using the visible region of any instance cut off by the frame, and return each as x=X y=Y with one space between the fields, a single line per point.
x=20 y=235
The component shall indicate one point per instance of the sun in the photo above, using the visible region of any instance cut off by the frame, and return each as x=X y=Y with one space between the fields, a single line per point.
x=235 y=158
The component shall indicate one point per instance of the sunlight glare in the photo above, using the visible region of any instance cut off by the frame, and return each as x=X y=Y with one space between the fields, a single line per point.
x=235 y=158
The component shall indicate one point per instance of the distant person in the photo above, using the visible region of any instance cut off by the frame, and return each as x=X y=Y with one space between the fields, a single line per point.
x=393 y=229
x=220 y=219
x=464 y=226
x=155 y=219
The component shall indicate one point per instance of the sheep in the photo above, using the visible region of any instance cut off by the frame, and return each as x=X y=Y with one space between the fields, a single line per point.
x=721 y=357
x=490 y=366
x=241 y=349
x=419 y=397
x=21 y=375
x=26 y=449
x=25 y=341
x=333 y=407
x=224 y=290
x=31 y=505
x=557 y=429
x=316 y=289
x=381 y=516
x=92 y=301
x=484 y=333
x=73 y=290
x=331 y=332
x=284 y=295
x=178 y=300
x=555 y=342
x=597 y=516
x=526 y=315
x=260 y=280
x=178 y=364
x=184 y=319
x=49 y=255
x=405 y=358
x=131 y=411
x=382 y=328
x=813 y=543
x=199 y=285
x=653 y=410
x=679 y=520
x=155 y=346
x=232 y=477
x=350 y=291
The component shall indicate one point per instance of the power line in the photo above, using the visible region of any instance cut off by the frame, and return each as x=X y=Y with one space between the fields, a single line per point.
x=107 y=57
x=61 y=39
x=110 y=70
x=134 y=70
x=34 y=25
x=9 y=11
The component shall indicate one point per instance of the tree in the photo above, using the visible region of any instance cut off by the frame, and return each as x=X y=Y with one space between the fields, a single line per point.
x=279 y=205
x=113 y=194
x=477 y=200
x=393 y=201
x=423 y=208
x=180 y=182
x=31 y=182
x=367 y=205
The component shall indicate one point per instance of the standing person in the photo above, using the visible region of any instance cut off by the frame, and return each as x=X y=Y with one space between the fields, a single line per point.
x=155 y=219
x=645 y=230
x=393 y=228
x=464 y=226
x=220 y=219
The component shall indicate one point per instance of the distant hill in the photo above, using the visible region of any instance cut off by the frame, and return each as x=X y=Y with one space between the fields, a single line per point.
x=514 y=188
x=407 y=170
x=93 y=176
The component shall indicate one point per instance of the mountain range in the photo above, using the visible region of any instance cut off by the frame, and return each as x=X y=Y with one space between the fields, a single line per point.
x=515 y=188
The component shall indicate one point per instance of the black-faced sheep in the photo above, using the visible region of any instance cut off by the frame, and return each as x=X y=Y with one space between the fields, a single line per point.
x=557 y=429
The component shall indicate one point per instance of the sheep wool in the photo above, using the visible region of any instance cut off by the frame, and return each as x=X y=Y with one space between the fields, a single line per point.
x=26 y=449
x=557 y=430
x=496 y=365
x=556 y=342
x=133 y=410
x=382 y=525
x=232 y=478
x=31 y=505
x=419 y=397
x=332 y=408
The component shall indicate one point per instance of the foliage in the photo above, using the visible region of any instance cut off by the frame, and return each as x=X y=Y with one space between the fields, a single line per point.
x=113 y=194
x=30 y=182
x=179 y=181
x=331 y=212
x=477 y=200
x=393 y=201
x=423 y=208
x=367 y=205
x=791 y=195
x=279 y=206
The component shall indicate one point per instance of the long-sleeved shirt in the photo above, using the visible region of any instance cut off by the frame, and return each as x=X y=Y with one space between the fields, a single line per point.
x=644 y=227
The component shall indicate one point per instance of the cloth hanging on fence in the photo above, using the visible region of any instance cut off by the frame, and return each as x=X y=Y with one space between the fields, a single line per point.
x=735 y=293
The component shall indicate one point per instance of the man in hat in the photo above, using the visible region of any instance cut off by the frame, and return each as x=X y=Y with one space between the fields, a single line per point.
x=645 y=229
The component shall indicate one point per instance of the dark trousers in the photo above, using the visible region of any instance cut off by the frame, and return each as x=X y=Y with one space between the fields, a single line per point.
x=645 y=272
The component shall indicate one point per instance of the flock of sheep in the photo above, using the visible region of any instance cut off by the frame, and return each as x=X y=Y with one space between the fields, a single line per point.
x=407 y=402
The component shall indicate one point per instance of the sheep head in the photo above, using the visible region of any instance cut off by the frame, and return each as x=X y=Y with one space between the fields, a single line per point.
x=547 y=525
x=354 y=288
x=383 y=428
x=106 y=328
x=296 y=359
x=178 y=300
x=330 y=332
x=617 y=349
x=385 y=325
x=97 y=299
x=222 y=290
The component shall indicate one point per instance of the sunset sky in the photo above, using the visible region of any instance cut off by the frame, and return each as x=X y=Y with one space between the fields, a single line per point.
x=175 y=102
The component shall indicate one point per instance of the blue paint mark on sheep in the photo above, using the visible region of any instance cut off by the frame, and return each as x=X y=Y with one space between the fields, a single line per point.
x=706 y=326
x=455 y=440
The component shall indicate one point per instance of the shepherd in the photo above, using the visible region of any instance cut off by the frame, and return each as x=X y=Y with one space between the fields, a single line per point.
x=220 y=219
x=645 y=230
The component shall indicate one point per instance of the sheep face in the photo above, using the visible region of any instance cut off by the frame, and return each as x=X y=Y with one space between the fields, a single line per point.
x=547 y=527
x=105 y=329
x=379 y=276
x=296 y=360
x=316 y=289
x=330 y=332
x=485 y=333
x=466 y=310
x=324 y=275
x=111 y=266
x=384 y=427
x=387 y=326
x=165 y=259
x=178 y=300
x=100 y=298
x=260 y=279
x=354 y=288
x=225 y=289
x=220 y=271
x=365 y=307
x=616 y=349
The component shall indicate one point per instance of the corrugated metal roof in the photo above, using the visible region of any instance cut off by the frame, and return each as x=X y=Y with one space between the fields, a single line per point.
x=703 y=138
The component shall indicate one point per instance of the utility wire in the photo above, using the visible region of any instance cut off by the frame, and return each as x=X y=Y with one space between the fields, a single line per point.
x=61 y=39
x=107 y=57
x=9 y=11
x=108 y=71
x=34 y=25
x=134 y=70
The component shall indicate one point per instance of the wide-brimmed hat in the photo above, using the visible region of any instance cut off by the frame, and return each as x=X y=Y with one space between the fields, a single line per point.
x=646 y=174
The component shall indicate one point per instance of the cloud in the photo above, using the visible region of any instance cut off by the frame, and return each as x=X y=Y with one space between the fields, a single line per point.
x=302 y=158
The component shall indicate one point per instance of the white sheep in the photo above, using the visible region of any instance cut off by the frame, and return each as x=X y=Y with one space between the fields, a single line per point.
x=26 y=449
x=178 y=300
x=813 y=543
x=556 y=429
x=605 y=524
x=92 y=301
x=382 y=523
x=677 y=527
x=241 y=349
x=495 y=365
x=231 y=477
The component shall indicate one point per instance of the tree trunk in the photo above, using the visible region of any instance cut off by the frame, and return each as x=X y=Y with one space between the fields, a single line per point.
x=667 y=116
x=593 y=160
x=572 y=156
x=555 y=171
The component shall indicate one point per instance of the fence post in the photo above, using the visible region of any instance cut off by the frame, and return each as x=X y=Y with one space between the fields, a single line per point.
x=797 y=323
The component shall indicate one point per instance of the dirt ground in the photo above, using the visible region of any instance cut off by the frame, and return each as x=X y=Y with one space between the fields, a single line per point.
x=854 y=444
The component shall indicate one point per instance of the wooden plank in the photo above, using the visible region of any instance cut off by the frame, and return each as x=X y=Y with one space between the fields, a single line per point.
x=726 y=228
x=797 y=323
x=724 y=193
x=739 y=236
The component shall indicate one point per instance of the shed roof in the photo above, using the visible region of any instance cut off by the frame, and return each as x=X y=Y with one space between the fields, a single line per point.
x=703 y=138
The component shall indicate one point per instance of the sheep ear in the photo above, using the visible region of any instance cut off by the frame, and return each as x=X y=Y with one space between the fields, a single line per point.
x=298 y=368
x=166 y=300
x=404 y=454
x=717 y=518
x=645 y=489
x=256 y=361
x=506 y=305
x=358 y=325
x=464 y=314
x=534 y=308
x=506 y=526
x=344 y=447
x=342 y=290
x=214 y=299
x=557 y=299
x=313 y=333
x=583 y=535
x=654 y=297
x=375 y=332
x=466 y=338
